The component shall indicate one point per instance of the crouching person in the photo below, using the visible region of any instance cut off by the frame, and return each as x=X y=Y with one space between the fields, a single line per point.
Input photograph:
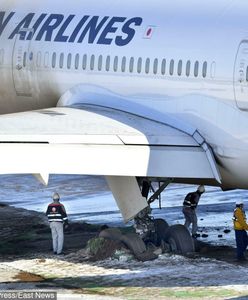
x=57 y=218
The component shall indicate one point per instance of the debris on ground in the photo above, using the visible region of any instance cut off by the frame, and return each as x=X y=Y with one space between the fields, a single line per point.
x=100 y=248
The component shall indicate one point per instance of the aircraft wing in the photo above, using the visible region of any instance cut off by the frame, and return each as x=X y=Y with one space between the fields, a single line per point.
x=100 y=141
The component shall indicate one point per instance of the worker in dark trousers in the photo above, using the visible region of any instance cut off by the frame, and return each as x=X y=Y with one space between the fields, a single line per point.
x=189 y=208
x=240 y=227
x=57 y=218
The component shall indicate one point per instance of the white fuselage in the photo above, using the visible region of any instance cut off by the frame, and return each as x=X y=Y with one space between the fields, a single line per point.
x=188 y=59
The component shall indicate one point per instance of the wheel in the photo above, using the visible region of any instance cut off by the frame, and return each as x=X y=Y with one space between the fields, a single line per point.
x=134 y=242
x=179 y=239
x=161 y=227
x=111 y=234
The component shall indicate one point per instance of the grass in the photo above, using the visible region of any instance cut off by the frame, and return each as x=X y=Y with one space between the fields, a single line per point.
x=166 y=293
x=95 y=244
x=197 y=293
x=96 y=287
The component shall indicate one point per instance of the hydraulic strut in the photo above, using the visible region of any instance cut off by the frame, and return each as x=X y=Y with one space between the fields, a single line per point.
x=143 y=221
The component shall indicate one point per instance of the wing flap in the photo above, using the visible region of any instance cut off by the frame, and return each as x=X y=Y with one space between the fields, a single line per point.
x=117 y=160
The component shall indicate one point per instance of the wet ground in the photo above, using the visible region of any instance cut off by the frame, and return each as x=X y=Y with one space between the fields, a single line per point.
x=27 y=263
x=23 y=232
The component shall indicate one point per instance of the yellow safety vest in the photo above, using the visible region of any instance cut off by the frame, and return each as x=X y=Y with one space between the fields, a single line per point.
x=239 y=219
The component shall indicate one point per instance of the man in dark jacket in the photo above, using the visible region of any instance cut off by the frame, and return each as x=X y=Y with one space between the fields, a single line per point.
x=57 y=217
x=189 y=208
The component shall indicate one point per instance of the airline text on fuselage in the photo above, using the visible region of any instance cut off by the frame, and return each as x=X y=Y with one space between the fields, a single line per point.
x=58 y=28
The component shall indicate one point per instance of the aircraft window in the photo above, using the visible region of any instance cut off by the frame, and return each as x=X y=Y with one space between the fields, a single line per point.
x=196 y=69
x=77 y=61
x=131 y=64
x=163 y=66
x=92 y=62
x=84 y=61
x=247 y=73
x=31 y=56
x=46 y=60
x=25 y=59
x=61 y=60
x=147 y=66
x=213 y=68
x=179 y=68
x=38 y=60
x=1 y=56
x=188 y=64
x=139 y=65
x=116 y=63
x=69 y=56
x=107 y=63
x=171 y=66
x=123 y=64
x=54 y=60
x=100 y=63
x=204 y=69
x=155 y=66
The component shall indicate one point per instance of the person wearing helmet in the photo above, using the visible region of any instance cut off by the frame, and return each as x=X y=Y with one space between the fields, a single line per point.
x=57 y=218
x=189 y=209
x=240 y=227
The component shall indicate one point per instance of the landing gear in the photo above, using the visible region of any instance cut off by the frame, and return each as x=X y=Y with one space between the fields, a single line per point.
x=131 y=194
x=144 y=225
x=157 y=231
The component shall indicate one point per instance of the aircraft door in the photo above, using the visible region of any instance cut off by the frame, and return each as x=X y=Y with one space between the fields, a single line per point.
x=22 y=65
x=241 y=76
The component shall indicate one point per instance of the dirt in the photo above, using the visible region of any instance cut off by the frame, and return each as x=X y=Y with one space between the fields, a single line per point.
x=27 y=277
x=27 y=262
x=223 y=253
x=23 y=232
x=26 y=232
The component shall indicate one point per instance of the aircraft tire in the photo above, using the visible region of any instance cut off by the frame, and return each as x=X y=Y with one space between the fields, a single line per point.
x=161 y=227
x=111 y=234
x=135 y=243
x=179 y=239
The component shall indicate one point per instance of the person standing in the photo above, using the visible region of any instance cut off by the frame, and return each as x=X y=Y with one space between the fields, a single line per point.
x=57 y=218
x=189 y=208
x=240 y=227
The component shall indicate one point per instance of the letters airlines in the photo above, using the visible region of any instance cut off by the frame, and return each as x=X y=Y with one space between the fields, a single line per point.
x=99 y=29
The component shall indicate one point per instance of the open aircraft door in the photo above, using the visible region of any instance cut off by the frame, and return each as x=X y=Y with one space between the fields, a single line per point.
x=241 y=76
x=22 y=64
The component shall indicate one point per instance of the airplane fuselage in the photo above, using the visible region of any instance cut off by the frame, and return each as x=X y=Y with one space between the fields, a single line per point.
x=186 y=59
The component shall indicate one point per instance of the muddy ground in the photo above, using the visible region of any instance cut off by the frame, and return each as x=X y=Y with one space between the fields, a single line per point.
x=26 y=257
x=26 y=232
